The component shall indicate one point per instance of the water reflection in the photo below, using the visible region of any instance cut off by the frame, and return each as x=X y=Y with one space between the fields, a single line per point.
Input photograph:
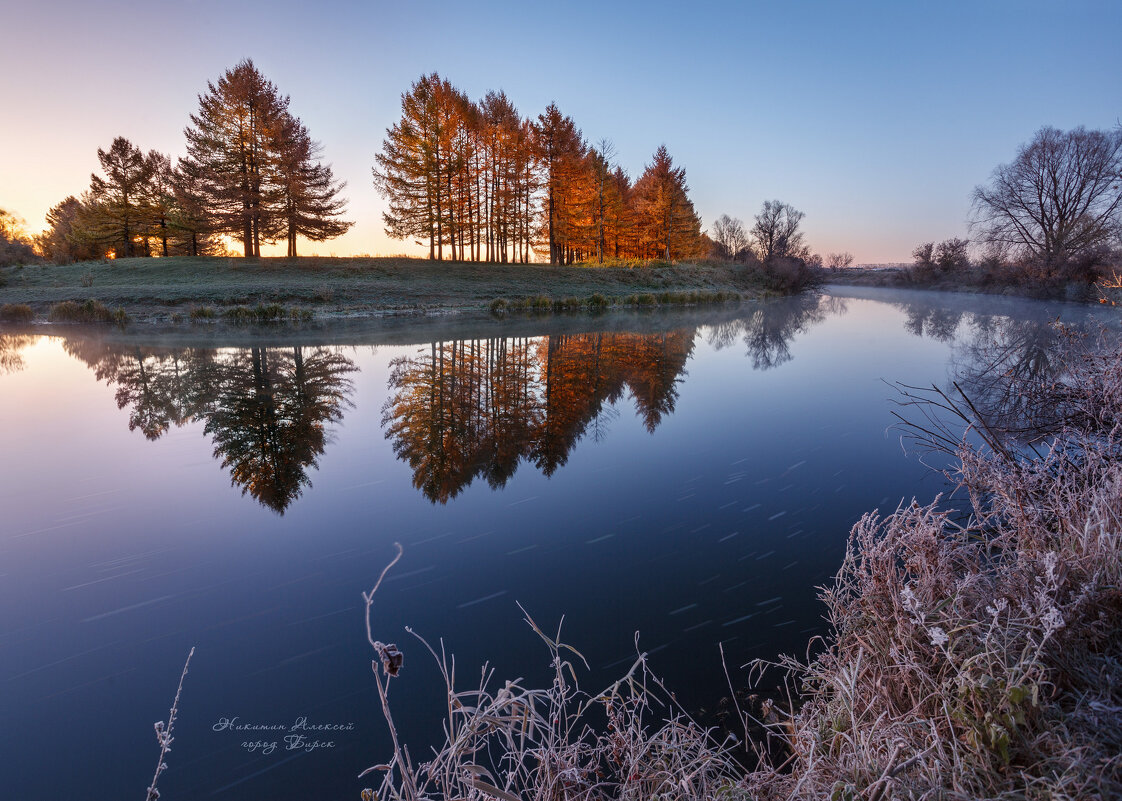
x=266 y=409
x=457 y=410
x=1005 y=365
x=11 y=345
x=477 y=408
x=936 y=322
x=1008 y=368
x=769 y=330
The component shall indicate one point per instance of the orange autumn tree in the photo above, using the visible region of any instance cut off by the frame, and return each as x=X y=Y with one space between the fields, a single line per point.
x=476 y=181
x=667 y=223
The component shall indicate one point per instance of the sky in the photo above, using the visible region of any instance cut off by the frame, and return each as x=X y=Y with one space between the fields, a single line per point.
x=874 y=119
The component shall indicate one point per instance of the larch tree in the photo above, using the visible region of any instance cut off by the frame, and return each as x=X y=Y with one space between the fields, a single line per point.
x=668 y=224
x=191 y=221
x=112 y=214
x=65 y=241
x=408 y=170
x=560 y=148
x=231 y=138
x=159 y=200
x=310 y=200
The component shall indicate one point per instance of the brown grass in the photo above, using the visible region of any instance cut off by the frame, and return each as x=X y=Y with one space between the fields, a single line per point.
x=511 y=742
x=88 y=311
x=16 y=313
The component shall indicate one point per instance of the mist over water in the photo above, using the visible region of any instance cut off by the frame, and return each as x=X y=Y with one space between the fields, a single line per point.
x=690 y=478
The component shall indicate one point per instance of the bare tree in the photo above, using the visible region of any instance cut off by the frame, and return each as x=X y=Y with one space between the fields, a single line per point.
x=839 y=261
x=1058 y=201
x=777 y=233
x=729 y=236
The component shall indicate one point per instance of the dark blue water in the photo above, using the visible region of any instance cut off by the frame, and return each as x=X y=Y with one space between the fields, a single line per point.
x=691 y=477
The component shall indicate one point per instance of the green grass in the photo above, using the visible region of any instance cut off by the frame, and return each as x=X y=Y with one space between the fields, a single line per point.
x=192 y=288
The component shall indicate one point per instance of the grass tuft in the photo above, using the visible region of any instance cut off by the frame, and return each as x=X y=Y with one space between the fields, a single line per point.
x=16 y=313
x=89 y=311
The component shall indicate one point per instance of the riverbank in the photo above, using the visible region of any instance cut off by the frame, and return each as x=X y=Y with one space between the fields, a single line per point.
x=207 y=290
x=975 y=281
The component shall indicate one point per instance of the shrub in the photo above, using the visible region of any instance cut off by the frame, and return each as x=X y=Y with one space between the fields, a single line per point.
x=89 y=311
x=271 y=313
x=16 y=313
x=789 y=275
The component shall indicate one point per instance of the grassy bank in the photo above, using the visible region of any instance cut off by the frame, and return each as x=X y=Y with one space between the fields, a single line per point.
x=973 y=656
x=212 y=289
x=975 y=281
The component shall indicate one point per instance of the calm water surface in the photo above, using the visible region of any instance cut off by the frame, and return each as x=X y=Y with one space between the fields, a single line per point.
x=691 y=477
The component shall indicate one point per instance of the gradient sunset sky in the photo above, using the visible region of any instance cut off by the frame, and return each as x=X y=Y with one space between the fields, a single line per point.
x=875 y=119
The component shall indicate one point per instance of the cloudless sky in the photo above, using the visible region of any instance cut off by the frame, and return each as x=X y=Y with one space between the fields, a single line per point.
x=875 y=119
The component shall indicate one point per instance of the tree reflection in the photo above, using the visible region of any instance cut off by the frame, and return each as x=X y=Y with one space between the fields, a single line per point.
x=11 y=360
x=770 y=329
x=1008 y=368
x=935 y=322
x=477 y=408
x=266 y=409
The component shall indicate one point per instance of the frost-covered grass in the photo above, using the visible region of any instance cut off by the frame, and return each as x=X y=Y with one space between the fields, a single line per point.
x=157 y=288
x=981 y=658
